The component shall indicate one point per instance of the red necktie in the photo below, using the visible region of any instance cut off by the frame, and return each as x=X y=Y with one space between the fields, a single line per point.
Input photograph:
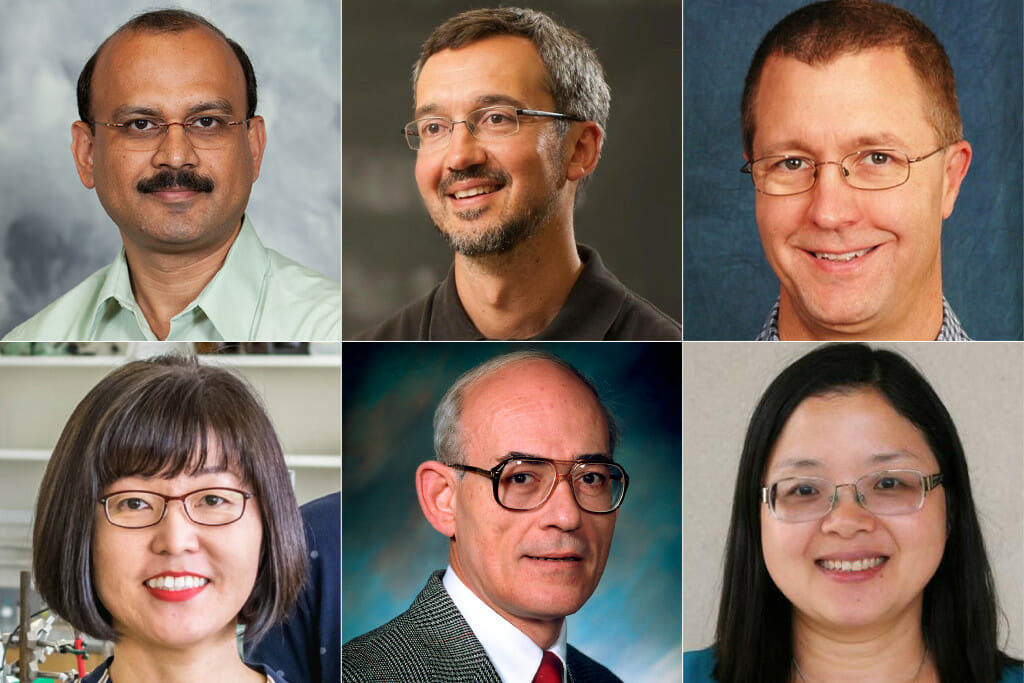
x=550 y=670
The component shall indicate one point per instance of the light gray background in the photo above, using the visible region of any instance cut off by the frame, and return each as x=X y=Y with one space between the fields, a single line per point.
x=981 y=386
x=53 y=231
x=631 y=213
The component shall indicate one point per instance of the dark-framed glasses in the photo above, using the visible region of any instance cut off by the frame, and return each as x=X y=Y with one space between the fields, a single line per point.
x=869 y=169
x=526 y=483
x=488 y=123
x=208 y=507
x=888 y=492
x=144 y=133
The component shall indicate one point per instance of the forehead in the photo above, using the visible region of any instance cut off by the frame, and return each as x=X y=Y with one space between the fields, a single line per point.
x=166 y=70
x=849 y=433
x=532 y=407
x=861 y=96
x=499 y=66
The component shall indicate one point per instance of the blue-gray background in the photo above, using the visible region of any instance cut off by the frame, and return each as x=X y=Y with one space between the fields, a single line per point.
x=632 y=623
x=53 y=231
x=729 y=285
x=631 y=214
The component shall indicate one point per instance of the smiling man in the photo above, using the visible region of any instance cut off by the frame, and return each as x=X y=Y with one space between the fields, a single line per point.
x=509 y=121
x=170 y=140
x=853 y=139
x=527 y=493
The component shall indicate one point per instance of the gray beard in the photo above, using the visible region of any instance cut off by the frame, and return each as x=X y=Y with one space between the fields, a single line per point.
x=503 y=237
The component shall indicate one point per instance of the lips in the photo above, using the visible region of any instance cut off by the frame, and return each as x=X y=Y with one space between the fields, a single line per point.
x=843 y=257
x=474 y=191
x=176 y=586
x=848 y=566
x=557 y=557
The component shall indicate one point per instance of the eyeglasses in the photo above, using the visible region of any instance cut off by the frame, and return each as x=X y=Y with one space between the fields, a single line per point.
x=889 y=492
x=208 y=507
x=145 y=134
x=526 y=483
x=869 y=169
x=489 y=123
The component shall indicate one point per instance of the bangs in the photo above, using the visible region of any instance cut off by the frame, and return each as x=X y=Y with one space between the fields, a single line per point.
x=175 y=426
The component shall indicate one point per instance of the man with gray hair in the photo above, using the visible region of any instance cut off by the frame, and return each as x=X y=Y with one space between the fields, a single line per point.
x=524 y=551
x=533 y=103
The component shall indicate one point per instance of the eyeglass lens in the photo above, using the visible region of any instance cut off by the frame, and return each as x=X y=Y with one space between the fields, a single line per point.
x=484 y=124
x=212 y=507
x=890 y=492
x=877 y=169
x=525 y=484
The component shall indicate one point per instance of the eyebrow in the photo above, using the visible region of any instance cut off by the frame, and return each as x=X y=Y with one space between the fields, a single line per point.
x=585 y=457
x=874 y=459
x=796 y=147
x=479 y=103
x=216 y=104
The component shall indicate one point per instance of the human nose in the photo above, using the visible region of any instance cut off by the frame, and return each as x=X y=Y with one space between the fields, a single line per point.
x=561 y=509
x=847 y=516
x=464 y=150
x=174 y=148
x=833 y=201
x=175 y=533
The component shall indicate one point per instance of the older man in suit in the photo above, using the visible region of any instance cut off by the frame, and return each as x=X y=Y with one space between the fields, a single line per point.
x=526 y=490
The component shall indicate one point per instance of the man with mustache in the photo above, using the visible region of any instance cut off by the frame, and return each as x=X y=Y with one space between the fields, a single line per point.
x=170 y=140
x=510 y=113
x=525 y=488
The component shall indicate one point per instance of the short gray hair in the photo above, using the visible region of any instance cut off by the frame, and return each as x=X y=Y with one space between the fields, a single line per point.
x=448 y=445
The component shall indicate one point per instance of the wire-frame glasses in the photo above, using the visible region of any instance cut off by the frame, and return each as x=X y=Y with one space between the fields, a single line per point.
x=205 y=131
x=488 y=123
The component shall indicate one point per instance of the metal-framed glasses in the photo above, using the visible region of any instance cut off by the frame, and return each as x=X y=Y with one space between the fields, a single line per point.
x=208 y=507
x=889 y=492
x=489 y=123
x=869 y=169
x=206 y=131
x=526 y=483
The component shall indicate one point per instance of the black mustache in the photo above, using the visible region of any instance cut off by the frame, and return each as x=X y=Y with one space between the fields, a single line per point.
x=186 y=180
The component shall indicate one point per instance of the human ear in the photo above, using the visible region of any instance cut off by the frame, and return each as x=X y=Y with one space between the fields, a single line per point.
x=435 y=488
x=256 y=136
x=82 y=145
x=587 y=138
x=957 y=159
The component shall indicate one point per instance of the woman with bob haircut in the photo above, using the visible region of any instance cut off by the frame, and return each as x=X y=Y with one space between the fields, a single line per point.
x=165 y=518
x=854 y=551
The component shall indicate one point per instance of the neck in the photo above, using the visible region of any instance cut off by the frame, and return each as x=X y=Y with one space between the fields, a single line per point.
x=216 y=659
x=165 y=283
x=894 y=654
x=918 y=318
x=517 y=294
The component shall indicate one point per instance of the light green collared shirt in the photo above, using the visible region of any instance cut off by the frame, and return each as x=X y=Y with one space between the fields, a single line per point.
x=257 y=295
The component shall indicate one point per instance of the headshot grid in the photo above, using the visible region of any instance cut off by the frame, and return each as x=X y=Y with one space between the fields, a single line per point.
x=852 y=512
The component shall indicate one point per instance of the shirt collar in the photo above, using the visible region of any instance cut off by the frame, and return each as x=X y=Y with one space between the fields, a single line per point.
x=951 y=330
x=229 y=300
x=588 y=312
x=515 y=657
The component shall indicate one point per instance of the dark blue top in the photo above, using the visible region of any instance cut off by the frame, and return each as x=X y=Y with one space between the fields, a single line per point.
x=306 y=648
x=698 y=665
x=97 y=674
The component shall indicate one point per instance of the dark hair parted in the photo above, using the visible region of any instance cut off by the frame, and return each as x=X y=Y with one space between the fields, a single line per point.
x=820 y=32
x=753 y=640
x=164 y=21
x=162 y=418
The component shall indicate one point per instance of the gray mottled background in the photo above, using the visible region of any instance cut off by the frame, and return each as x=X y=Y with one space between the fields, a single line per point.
x=54 y=233
x=631 y=213
x=729 y=285
x=632 y=623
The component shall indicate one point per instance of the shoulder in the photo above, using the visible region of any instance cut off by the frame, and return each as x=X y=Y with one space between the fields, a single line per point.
x=698 y=666
x=411 y=323
x=640 y=320
x=584 y=669
x=310 y=300
x=67 y=318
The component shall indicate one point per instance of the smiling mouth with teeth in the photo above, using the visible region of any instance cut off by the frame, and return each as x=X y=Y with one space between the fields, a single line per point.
x=852 y=566
x=474 y=191
x=848 y=256
x=177 y=583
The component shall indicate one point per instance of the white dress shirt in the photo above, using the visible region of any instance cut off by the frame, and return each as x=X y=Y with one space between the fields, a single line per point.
x=515 y=657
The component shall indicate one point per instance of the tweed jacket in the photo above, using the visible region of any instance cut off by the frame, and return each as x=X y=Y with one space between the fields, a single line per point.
x=432 y=643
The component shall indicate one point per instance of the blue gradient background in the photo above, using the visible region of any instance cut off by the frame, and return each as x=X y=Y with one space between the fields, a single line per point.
x=632 y=623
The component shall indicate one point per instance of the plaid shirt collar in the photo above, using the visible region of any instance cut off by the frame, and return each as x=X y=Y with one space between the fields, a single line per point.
x=951 y=329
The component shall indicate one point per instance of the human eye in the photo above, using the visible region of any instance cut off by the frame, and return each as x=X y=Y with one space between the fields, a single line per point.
x=797 y=489
x=877 y=157
x=790 y=165
x=894 y=481
x=129 y=504
x=208 y=123
x=140 y=127
x=432 y=128
x=496 y=118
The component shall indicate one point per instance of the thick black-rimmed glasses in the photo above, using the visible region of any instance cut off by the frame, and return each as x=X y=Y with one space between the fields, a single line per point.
x=488 y=123
x=145 y=134
x=869 y=169
x=526 y=483
x=208 y=507
x=888 y=492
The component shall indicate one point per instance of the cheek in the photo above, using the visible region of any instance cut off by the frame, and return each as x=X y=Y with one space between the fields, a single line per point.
x=427 y=173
